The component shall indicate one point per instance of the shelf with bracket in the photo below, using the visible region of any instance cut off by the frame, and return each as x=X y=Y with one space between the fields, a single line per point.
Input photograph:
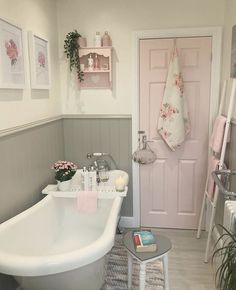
x=98 y=76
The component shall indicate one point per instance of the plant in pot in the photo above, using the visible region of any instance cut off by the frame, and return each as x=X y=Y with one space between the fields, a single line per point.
x=64 y=171
x=225 y=256
x=71 y=49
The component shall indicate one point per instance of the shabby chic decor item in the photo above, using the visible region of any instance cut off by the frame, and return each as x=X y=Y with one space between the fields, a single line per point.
x=64 y=170
x=144 y=154
x=12 y=68
x=39 y=62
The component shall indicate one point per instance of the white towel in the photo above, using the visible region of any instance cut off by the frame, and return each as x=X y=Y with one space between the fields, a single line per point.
x=174 y=122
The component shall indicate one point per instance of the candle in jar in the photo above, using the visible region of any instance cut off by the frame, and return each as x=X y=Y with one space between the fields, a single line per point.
x=120 y=184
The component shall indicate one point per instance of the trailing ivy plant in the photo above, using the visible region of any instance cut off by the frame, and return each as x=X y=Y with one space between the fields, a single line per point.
x=71 y=46
x=225 y=253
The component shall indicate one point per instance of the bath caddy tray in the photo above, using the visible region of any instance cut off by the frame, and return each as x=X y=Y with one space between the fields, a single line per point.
x=103 y=192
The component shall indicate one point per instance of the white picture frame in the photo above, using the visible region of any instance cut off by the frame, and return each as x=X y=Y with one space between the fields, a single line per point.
x=39 y=61
x=12 y=64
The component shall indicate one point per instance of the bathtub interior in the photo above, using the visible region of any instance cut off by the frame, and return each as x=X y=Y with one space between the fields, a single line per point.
x=55 y=228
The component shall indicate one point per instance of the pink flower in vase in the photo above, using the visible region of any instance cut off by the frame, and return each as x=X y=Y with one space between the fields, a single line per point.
x=12 y=51
x=41 y=59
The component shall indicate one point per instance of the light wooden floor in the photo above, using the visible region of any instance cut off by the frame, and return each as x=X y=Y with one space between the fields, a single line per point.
x=187 y=271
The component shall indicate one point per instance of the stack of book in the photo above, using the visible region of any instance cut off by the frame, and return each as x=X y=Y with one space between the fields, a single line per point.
x=144 y=241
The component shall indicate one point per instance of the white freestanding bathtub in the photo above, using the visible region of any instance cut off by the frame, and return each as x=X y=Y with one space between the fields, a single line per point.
x=52 y=246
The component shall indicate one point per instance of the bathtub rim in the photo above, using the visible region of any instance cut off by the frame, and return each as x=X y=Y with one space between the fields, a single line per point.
x=19 y=265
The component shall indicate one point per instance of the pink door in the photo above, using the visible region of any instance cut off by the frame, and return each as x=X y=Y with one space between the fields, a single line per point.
x=172 y=187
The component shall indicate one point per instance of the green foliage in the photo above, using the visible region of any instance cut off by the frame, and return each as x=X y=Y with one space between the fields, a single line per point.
x=226 y=272
x=71 y=47
x=64 y=174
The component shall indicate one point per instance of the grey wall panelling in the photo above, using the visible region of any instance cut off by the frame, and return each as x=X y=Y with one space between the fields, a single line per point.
x=111 y=135
x=26 y=158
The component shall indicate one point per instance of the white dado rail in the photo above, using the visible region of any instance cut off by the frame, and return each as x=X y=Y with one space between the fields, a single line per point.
x=27 y=126
x=41 y=122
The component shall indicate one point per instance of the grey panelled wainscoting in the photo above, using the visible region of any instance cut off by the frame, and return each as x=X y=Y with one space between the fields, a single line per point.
x=27 y=155
x=110 y=135
x=26 y=158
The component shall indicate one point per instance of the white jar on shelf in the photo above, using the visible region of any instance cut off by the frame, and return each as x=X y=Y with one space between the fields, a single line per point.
x=98 y=40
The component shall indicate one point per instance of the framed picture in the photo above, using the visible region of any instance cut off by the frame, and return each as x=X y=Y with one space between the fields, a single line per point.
x=12 y=70
x=39 y=62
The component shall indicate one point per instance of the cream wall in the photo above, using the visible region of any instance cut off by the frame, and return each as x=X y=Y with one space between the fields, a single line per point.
x=19 y=107
x=230 y=21
x=121 y=18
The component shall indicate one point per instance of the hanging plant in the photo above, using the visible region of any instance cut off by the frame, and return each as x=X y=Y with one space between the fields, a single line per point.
x=71 y=46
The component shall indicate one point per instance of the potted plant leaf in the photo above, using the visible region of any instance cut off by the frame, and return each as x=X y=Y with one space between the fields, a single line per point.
x=225 y=255
x=64 y=171
x=71 y=49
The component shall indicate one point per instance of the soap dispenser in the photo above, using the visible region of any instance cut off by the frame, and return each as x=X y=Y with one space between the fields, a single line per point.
x=84 y=179
x=92 y=176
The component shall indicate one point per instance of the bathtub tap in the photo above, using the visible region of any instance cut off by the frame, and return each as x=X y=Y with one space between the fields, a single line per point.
x=98 y=155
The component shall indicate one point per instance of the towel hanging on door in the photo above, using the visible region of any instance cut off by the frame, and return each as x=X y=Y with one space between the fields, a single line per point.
x=174 y=122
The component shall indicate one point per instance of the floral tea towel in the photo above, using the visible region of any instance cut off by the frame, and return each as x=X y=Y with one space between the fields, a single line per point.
x=174 y=122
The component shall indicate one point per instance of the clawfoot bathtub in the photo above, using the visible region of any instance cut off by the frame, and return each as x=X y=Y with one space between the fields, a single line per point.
x=52 y=246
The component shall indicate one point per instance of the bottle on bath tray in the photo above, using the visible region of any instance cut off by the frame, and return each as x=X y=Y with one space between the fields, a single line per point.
x=92 y=179
x=84 y=179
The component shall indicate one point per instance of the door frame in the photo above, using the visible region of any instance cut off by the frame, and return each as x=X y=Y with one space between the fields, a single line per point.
x=216 y=33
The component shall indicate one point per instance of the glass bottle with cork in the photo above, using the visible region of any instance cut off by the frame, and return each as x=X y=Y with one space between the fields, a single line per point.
x=106 y=39
x=96 y=62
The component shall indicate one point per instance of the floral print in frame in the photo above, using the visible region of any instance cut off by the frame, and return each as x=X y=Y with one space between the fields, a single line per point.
x=12 y=70
x=39 y=62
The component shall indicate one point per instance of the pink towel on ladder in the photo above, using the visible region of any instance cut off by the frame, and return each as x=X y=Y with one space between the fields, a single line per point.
x=87 y=201
x=217 y=136
x=214 y=163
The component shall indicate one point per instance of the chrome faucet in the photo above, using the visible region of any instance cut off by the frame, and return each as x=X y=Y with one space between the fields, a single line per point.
x=100 y=164
x=97 y=156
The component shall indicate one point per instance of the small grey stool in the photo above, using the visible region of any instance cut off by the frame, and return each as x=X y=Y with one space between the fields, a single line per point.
x=163 y=247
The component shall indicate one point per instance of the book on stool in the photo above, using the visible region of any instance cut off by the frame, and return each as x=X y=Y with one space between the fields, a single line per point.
x=144 y=241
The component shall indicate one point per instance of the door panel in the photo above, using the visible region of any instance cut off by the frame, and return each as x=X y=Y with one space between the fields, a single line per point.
x=171 y=187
